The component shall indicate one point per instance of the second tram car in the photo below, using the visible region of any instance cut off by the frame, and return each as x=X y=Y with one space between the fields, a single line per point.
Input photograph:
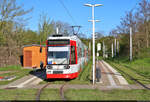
x=66 y=56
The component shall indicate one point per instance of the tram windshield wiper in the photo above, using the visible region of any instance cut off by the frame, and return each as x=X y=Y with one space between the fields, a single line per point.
x=63 y=61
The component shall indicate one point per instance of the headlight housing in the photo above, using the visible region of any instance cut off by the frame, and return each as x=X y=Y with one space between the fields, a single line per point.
x=66 y=67
x=49 y=67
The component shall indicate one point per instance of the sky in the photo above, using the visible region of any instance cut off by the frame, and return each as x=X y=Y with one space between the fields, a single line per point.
x=109 y=14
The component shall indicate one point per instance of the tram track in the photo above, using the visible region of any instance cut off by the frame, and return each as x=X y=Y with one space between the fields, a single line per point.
x=148 y=79
x=132 y=78
x=61 y=91
x=40 y=91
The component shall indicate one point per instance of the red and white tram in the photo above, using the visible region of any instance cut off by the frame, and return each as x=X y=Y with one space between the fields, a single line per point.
x=66 y=55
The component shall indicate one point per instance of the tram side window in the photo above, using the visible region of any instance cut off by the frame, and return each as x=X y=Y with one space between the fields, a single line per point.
x=73 y=57
x=80 y=52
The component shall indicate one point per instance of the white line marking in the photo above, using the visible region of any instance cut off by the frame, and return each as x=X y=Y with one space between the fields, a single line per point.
x=22 y=84
x=117 y=74
x=27 y=81
x=110 y=78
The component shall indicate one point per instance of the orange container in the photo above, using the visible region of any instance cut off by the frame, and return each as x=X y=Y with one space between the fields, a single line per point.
x=33 y=55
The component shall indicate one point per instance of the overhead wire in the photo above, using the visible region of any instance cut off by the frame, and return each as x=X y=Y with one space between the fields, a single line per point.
x=69 y=14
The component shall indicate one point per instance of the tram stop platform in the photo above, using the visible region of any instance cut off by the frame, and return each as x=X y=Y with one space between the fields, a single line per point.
x=106 y=75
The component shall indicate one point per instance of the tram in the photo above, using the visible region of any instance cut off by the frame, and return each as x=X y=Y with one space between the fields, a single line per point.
x=65 y=56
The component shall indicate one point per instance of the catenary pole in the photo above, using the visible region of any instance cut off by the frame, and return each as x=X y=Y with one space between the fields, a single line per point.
x=115 y=46
x=118 y=48
x=112 y=50
x=130 y=43
x=103 y=49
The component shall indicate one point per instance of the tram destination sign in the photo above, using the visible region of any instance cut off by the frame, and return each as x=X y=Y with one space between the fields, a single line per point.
x=59 y=42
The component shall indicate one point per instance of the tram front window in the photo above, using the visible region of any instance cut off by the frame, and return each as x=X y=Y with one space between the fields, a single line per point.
x=58 y=57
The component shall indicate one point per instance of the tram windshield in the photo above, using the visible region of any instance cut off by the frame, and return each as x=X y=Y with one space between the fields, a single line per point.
x=58 y=57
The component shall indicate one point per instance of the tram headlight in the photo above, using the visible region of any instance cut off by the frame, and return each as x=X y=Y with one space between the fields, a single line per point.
x=49 y=67
x=66 y=67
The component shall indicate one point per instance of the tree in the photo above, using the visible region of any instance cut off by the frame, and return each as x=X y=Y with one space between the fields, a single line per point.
x=10 y=11
x=45 y=28
x=99 y=34
x=139 y=19
x=30 y=37
x=64 y=28
x=144 y=10
x=11 y=17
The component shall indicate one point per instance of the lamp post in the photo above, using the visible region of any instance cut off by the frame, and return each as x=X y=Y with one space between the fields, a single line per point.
x=93 y=21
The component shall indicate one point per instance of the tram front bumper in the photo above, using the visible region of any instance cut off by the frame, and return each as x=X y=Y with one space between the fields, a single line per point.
x=62 y=76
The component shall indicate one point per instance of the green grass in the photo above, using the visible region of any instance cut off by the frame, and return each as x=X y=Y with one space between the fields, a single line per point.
x=29 y=94
x=50 y=94
x=140 y=66
x=138 y=69
x=83 y=78
x=17 y=71
x=18 y=94
x=100 y=58
x=10 y=68
x=143 y=53
x=85 y=75
x=74 y=94
x=87 y=94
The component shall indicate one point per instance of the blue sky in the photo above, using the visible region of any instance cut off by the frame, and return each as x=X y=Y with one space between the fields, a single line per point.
x=109 y=14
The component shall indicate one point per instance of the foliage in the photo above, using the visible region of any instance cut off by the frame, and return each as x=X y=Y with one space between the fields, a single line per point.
x=29 y=37
x=139 y=19
x=85 y=75
x=143 y=53
x=63 y=28
x=11 y=18
x=45 y=28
